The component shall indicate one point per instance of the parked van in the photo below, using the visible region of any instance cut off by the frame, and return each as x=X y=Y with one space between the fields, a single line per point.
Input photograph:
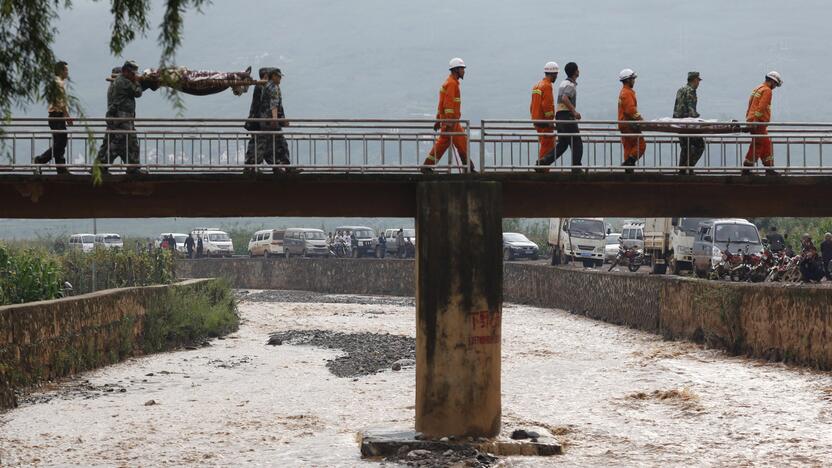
x=83 y=242
x=718 y=235
x=305 y=242
x=632 y=235
x=266 y=242
x=215 y=243
x=367 y=240
x=108 y=241
x=391 y=244
x=577 y=239
x=177 y=236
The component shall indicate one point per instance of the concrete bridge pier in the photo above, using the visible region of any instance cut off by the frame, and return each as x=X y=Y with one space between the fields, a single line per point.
x=459 y=277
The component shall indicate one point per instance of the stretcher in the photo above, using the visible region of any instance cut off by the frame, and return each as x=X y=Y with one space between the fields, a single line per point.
x=194 y=82
x=690 y=126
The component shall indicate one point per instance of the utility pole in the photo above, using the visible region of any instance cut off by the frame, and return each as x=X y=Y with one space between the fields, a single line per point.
x=94 y=234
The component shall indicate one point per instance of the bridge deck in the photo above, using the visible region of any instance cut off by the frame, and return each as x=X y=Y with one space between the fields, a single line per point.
x=394 y=195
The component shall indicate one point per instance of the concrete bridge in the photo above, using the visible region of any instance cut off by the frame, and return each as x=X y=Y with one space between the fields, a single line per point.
x=458 y=216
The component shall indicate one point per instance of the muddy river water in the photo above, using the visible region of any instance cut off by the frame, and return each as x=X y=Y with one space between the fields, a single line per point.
x=614 y=396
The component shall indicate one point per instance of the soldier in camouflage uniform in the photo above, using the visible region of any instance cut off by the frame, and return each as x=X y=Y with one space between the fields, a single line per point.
x=253 y=113
x=691 y=147
x=120 y=142
x=272 y=147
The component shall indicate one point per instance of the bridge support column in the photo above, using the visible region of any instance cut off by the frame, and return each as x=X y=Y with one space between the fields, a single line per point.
x=459 y=295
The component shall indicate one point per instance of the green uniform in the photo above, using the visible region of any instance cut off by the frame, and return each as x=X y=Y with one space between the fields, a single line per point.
x=273 y=147
x=685 y=107
x=121 y=102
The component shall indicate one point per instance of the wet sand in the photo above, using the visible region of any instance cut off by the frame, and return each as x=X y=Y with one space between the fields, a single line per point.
x=614 y=396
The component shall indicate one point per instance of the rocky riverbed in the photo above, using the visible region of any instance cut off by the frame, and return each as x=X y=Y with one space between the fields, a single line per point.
x=613 y=396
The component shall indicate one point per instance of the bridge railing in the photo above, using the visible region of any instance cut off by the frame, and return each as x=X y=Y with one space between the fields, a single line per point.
x=384 y=145
x=220 y=145
x=513 y=145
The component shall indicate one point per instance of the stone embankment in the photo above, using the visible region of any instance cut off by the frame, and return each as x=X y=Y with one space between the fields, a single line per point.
x=45 y=340
x=788 y=323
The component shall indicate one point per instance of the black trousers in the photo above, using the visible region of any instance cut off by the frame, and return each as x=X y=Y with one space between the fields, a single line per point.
x=565 y=142
x=59 y=139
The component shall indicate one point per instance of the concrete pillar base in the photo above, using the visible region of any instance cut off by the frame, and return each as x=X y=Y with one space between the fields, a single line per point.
x=391 y=444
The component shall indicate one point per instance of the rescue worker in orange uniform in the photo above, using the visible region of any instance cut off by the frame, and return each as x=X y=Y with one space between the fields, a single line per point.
x=450 y=107
x=759 y=110
x=542 y=107
x=634 y=146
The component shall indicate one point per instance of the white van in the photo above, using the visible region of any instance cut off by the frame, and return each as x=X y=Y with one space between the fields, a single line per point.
x=266 y=242
x=577 y=239
x=177 y=236
x=215 y=243
x=83 y=242
x=109 y=240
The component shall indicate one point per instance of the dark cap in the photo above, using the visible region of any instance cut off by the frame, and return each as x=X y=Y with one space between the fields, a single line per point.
x=276 y=70
x=131 y=65
x=693 y=75
x=264 y=72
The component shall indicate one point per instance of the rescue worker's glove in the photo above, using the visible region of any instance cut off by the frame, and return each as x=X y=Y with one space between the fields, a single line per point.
x=436 y=126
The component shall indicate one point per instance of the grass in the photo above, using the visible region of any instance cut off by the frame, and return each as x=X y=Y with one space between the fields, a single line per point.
x=187 y=316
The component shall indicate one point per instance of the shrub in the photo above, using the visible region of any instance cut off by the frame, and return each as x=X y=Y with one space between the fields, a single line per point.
x=189 y=315
x=28 y=275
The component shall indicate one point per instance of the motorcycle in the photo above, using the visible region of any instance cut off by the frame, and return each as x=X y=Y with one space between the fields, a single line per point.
x=764 y=263
x=727 y=264
x=340 y=249
x=632 y=257
x=779 y=267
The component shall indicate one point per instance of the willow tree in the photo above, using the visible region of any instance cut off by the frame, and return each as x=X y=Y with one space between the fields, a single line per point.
x=27 y=34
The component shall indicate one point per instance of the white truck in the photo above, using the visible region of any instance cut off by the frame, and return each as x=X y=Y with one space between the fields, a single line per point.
x=668 y=242
x=577 y=239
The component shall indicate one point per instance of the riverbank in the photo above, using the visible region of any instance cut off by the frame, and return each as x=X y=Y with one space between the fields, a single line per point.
x=613 y=395
x=47 y=340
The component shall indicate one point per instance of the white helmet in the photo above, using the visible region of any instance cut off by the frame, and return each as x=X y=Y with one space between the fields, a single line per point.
x=626 y=74
x=456 y=62
x=551 y=67
x=774 y=76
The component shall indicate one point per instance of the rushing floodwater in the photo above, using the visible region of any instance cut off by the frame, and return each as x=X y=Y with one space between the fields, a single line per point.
x=615 y=396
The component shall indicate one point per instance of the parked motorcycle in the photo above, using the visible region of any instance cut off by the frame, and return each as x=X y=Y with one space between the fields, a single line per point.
x=632 y=257
x=765 y=261
x=340 y=249
x=726 y=266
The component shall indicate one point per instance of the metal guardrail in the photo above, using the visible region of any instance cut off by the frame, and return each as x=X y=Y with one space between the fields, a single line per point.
x=400 y=146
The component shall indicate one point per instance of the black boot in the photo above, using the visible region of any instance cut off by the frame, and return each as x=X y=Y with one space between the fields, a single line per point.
x=546 y=160
x=772 y=172
x=631 y=161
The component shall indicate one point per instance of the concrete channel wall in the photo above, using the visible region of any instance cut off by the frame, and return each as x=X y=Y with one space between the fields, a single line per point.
x=369 y=276
x=50 y=339
x=778 y=322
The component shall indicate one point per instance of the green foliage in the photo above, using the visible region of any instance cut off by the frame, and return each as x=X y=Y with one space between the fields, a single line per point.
x=240 y=235
x=117 y=268
x=28 y=275
x=796 y=227
x=537 y=231
x=27 y=34
x=188 y=315
x=35 y=274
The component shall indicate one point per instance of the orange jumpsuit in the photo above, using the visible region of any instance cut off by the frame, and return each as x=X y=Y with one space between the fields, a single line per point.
x=543 y=108
x=450 y=107
x=759 y=110
x=634 y=147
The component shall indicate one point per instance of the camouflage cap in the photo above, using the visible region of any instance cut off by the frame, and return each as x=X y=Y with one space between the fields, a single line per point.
x=693 y=75
x=130 y=64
